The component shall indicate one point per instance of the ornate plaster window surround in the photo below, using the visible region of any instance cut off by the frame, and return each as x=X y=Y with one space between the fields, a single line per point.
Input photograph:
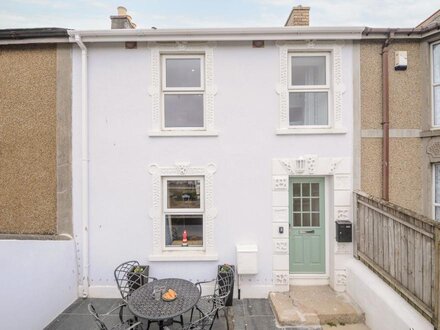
x=182 y=89
x=318 y=97
x=183 y=199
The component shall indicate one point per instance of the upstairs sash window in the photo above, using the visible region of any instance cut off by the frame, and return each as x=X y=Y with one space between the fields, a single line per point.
x=183 y=92
x=309 y=89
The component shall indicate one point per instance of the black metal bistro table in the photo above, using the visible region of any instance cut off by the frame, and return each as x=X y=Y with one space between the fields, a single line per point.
x=142 y=303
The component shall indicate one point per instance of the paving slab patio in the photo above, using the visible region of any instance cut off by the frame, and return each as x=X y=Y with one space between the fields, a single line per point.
x=245 y=314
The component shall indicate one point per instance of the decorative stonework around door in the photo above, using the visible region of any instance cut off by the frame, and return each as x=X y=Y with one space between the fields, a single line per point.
x=339 y=169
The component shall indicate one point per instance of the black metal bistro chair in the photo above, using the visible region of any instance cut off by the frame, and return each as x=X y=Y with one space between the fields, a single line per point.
x=206 y=321
x=129 y=279
x=216 y=301
x=99 y=321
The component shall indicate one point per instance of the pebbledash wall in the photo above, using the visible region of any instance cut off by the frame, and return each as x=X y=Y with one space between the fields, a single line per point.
x=247 y=158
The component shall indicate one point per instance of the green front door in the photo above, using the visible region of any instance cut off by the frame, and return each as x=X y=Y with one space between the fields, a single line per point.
x=307 y=225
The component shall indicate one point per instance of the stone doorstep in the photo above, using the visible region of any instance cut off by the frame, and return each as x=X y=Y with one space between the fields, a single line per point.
x=314 y=306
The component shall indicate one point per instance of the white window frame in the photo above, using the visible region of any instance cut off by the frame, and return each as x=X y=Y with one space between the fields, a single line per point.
x=433 y=126
x=182 y=90
x=333 y=79
x=434 y=204
x=186 y=211
x=312 y=88
x=156 y=89
x=182 y=171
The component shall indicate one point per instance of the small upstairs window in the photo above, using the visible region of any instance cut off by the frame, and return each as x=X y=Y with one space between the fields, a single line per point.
x=183 y=92
x=309 y=90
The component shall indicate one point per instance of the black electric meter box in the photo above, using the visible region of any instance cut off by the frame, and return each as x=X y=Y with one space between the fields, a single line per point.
x=343 y=231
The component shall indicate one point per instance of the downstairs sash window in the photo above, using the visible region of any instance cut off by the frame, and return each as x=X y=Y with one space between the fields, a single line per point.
x=183 y=212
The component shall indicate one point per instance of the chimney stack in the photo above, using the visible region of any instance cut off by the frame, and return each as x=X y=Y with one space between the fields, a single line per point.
x=299 y=16
x=122 y=20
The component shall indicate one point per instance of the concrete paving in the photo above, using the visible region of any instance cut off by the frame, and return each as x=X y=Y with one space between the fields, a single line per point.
x=315 y=306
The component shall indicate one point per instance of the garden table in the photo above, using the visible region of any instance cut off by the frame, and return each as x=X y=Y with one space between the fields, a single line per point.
x=142 y=303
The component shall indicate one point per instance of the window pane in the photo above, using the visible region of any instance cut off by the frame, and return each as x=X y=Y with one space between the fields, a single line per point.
x=308 y=108
x=436 y=63
x=183 y=72
x=297 y=219
x=296 y=189
x=306 y=220
x=297 y=204
x=183 y=194
x=306 y=204
x=308 y=70
x=183 y=110
x=315 y=204
x=315 y=219
x=306 y=189
x=176 y=224
x=437 y=106
x=315 y=189
x=437 y=183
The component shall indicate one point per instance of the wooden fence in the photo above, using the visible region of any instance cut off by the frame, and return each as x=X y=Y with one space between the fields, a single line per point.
x=403 y=248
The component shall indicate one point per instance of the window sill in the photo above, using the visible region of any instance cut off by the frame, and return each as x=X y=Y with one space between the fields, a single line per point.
x=184 y=256
x=305 y=131
x=434 y=131
x=183 y=133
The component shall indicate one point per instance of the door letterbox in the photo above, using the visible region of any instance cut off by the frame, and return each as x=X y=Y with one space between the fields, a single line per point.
x=343 y=231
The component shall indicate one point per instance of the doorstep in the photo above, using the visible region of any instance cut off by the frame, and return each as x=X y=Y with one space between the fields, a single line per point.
x=316 y=306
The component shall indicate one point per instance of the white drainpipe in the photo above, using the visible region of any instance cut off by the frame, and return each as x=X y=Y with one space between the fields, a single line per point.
x=84 y=167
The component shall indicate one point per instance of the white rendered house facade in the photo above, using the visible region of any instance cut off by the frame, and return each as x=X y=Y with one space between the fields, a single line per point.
x=196 y=141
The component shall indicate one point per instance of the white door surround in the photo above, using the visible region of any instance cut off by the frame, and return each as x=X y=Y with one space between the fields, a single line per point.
x=338 y=207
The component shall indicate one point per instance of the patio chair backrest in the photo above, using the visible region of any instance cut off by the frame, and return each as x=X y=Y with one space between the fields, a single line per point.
x=126 y=279
x=224 y=282
x=101 y=325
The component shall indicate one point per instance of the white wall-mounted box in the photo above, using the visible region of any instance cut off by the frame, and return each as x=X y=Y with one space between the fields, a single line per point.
x=247 y=259
x=400 y=60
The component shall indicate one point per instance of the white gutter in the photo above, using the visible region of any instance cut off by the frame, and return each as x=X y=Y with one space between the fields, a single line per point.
x=221 y=34
x=34 y=41
x=84 y=168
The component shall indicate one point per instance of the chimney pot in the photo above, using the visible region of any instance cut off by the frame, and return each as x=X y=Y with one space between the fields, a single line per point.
x=122 y=11
x=299 y=16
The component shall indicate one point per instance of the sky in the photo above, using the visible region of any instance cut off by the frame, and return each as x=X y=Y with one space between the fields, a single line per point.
x=94 y=14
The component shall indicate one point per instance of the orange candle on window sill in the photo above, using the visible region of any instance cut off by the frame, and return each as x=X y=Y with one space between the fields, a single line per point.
x=185 y=238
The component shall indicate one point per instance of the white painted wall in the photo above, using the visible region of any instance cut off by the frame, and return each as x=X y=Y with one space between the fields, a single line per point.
x=384 y=309
x=38 y=281
x=246 y=115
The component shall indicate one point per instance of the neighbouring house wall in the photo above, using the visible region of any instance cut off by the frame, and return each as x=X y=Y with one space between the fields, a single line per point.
x=405 y=100
x=246 y=110
x=38 y=281
x=35 y=111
